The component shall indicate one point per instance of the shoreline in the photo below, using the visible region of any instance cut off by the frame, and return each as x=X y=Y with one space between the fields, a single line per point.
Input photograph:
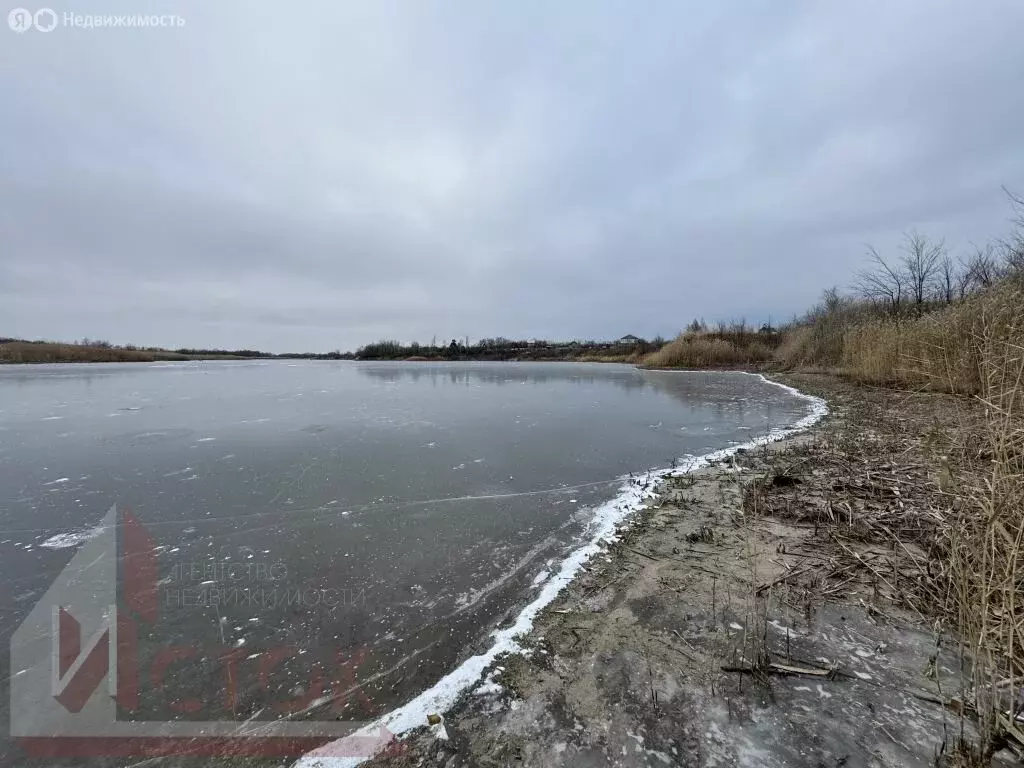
x=754 y=612
x=612 y=520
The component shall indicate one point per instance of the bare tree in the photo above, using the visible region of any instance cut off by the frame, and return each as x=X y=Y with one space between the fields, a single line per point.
x=1013 y=246
x=921 y=259
x=883 y=281
x=964 y=277
x=831 y=298
x=949 y=278
x=982 y=268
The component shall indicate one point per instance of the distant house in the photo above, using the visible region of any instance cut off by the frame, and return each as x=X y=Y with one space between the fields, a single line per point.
x=629 y=338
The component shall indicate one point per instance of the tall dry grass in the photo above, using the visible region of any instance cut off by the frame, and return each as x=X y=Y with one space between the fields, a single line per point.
x=817 y=341
x=982 y=549
x=50 y=352
x=939 y=350
x=811 y=346
x=707 y=350
x=975 y=347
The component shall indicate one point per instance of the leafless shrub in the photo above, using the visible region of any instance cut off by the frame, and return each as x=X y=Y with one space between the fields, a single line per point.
x=949 y=279
x=981 y=270
x=1012 y=247
x=882 y=281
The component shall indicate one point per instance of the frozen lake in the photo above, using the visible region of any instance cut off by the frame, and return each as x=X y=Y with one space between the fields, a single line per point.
x=388 y=515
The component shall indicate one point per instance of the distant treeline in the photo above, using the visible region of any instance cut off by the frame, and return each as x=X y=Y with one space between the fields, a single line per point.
x=97 y=351
x=500 y=348
x=255 y=353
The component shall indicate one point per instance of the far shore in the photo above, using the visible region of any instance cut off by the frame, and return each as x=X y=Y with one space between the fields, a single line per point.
x=15 y=351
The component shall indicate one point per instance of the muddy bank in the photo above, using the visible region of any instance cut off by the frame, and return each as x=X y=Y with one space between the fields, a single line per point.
x=756 y=613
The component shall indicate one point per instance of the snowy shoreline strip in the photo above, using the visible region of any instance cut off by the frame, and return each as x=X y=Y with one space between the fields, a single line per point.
x=607 y=518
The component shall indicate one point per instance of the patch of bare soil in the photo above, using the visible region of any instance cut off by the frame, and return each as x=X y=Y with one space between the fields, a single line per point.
x=774 y=611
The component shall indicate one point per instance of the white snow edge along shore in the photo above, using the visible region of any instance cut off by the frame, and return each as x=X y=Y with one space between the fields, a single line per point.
x=607 y=519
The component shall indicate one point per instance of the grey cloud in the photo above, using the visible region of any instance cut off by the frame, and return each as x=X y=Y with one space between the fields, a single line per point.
x=318 y=175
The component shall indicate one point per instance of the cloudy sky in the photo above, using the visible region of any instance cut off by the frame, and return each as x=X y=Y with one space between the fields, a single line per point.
x=311 y=176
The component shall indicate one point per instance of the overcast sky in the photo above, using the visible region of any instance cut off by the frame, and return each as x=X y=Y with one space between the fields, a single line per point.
x=312 y=176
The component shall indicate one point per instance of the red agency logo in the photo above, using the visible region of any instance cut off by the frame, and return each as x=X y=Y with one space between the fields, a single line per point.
x=76 y=667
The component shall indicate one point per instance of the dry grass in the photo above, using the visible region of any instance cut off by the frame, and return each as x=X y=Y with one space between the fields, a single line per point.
x=818 y=342
x=50 y=352
x=983 y=543
x=976 y=348
x=941 y=349
x=17 y=351
x=971 y=522
x=595 y=358
x=708 y=350
x=810 y=346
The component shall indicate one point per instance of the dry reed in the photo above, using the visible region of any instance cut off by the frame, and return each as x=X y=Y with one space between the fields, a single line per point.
x=704 y=350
